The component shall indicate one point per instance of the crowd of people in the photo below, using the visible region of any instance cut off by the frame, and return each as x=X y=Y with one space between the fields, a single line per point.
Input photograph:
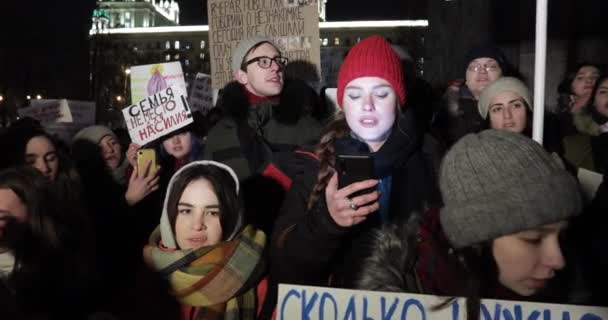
x=460 y=201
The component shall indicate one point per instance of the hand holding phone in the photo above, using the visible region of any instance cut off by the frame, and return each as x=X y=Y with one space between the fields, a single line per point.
x=354 y=168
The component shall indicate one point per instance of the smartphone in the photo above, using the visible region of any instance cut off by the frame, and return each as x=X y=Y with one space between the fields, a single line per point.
x=143 y=156
x=354 y=168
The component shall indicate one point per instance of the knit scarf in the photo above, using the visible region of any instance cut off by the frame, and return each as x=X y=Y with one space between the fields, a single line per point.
x=220 y=279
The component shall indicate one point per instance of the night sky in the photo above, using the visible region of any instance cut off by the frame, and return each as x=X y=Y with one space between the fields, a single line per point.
x=194 y=12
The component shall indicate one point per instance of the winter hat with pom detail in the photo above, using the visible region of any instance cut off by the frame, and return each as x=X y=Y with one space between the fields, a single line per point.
x=497 y=183
x=372 y=57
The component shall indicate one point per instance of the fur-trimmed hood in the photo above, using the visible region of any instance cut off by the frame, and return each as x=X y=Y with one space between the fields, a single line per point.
x=583 y=121
x=392 y=260
x=234 y=103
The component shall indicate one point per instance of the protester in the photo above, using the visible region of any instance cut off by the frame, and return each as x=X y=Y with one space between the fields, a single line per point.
x=52 y=274
x=252 y=127
x=214 y=265
x=589 y=147
x=459 y=115
x=506 y=204
x=110 y=149
x=320 y=229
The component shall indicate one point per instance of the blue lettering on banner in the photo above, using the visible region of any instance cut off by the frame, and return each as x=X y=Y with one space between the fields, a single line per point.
x=384 y=314
x=327 y=296
x=406 y=307
x=330 y=308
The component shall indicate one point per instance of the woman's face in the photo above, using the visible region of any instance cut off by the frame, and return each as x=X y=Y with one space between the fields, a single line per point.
x=111 y=151
x=370 y=106
x=11 y=207
x=583 y=82
x=197 y=223
x=600 y=102
x=480 y=73
x=179 y=145
x=40 y=153
x=528 y=260
x=507 y=111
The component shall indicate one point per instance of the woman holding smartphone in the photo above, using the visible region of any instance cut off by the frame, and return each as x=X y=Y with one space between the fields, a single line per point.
x=318 y=235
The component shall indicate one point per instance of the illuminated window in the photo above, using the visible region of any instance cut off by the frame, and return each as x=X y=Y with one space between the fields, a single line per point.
x=168 y=57
x=202 y=44
x=176 y=56
x=336 y=41
x=325 y=41
x=202 y=56
x=168 y=44
x=176 y=46
x=127 y=15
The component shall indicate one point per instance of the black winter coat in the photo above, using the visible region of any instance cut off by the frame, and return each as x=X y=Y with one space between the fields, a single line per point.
x=308 y=247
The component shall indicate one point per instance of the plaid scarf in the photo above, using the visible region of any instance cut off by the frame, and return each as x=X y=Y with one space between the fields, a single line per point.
x=220 y=279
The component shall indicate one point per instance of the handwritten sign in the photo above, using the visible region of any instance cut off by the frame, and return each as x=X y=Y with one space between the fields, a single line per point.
x=292 y=24
x=146 y=80
x=304 y=302
x=48 y=111
x=157 y=115
x=201 y=94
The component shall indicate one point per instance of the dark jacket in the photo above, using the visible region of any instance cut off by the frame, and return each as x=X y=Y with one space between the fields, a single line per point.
x=247 y=135
x=308 y=247
x=588 y=147
x=459 y=115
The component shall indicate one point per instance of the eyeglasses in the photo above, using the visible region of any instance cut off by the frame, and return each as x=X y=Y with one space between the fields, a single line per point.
x=486 y=67
x=265 y=62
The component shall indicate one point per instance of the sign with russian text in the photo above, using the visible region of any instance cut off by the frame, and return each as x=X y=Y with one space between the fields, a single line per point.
x=157 y=115
x=146 y=80
x=201 y=94
x=47 y=111
x=304 y=302
x=292 y=24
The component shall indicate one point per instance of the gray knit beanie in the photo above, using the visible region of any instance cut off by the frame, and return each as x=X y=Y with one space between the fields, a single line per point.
x=496 y=183
x=94 y=134
x=501 y=85
x=239 y=53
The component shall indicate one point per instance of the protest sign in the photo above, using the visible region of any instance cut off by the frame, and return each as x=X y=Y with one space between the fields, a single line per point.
x=47 y=111
x=149 y=79
x=157 y=115
x=292 y=24
x=304 y=302
x=200 y=96
x=60 y=117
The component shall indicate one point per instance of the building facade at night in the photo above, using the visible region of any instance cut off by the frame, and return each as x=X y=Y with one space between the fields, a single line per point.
x=114 y=49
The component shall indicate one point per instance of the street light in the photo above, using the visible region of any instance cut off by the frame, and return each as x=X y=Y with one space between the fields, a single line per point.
x=28 y=97
x=38 y=97
x=119 y=98
x=127 y=71
x=1 y=98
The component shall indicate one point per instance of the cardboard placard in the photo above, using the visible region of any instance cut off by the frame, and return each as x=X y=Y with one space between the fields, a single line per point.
x=157 y=115
x=149 y=79
x=292 y=24
x=305 y=302
x=201 y=93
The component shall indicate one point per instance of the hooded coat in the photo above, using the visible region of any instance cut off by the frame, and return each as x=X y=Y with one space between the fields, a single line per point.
x=587 y=148
x=213 y=282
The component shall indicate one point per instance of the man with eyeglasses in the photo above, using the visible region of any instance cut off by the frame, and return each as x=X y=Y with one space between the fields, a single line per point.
x=251 y=127
x=459 y=116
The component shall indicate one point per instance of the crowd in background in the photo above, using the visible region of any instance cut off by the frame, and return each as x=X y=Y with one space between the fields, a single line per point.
x=460 y=201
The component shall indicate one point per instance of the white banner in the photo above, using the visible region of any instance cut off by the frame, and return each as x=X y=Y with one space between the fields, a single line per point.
x=157 y=115
x=304 y=302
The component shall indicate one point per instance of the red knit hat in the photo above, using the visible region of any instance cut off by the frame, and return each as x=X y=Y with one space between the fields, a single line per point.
x=372 y=57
